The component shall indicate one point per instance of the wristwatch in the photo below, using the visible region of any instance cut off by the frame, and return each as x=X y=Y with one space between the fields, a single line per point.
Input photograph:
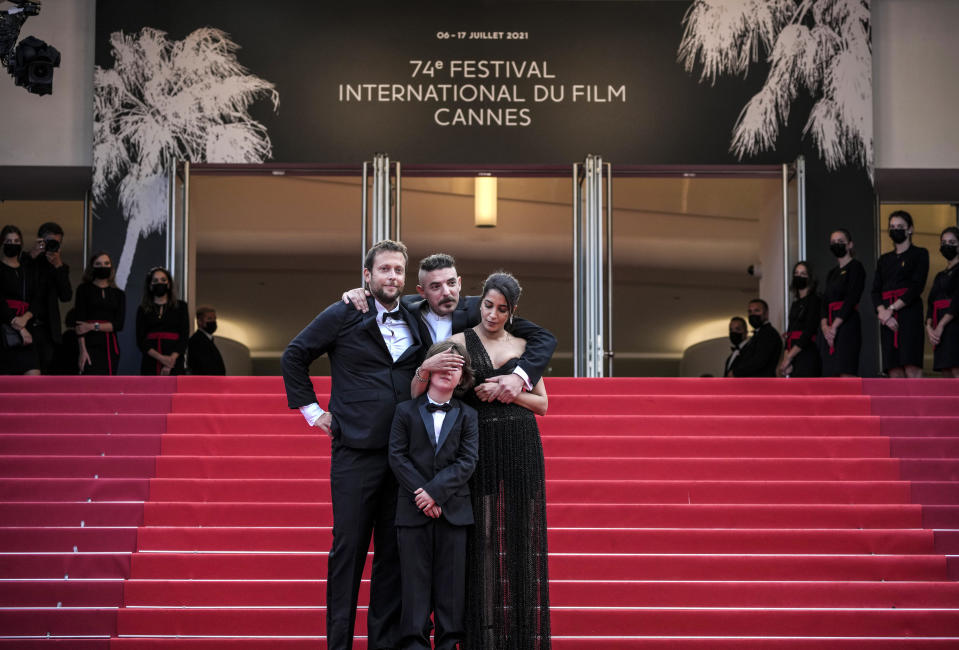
x=96 y=327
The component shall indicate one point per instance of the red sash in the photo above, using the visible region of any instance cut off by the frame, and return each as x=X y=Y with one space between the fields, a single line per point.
x=111 y=337
x=892 y=296
x=794 y=335
x=18 y=306
x=938 y=306
x=160 y=337
x=833 y=308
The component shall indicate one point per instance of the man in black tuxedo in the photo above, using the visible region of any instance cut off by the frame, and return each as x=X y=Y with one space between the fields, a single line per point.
x=54 y=276
x=202 y=355
x=442 y=312
x=434 y=445
x=760 y=355
x=372 y=358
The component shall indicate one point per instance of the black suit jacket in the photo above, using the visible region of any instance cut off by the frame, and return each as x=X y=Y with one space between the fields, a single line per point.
x=760 y=355
x=203 y=357
x=540 y=343
x=441 y=468
x=56 y=288
x=367 y=384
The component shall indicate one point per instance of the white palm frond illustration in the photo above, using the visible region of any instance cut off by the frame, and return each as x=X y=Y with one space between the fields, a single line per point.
x=165 y=101
x=819 y=47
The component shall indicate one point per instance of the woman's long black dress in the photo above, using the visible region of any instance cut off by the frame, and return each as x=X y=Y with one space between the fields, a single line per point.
x=902 y=276
x=20 y=292
x=844 y=287
x=103 y=305
x=944 y=299
x=803 y=327
x=507 y=591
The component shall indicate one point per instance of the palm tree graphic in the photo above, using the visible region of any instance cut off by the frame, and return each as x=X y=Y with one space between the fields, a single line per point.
x=165 y=101
x=822 y=46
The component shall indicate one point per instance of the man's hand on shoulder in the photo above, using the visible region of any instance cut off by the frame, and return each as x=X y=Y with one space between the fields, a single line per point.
x=358 y=298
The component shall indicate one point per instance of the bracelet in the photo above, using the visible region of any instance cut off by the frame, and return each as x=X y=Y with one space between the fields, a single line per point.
x=418 y=378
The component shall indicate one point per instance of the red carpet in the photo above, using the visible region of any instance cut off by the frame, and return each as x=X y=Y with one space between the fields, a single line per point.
x=707 y=513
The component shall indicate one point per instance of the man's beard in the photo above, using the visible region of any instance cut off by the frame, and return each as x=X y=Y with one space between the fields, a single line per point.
x=385 y=299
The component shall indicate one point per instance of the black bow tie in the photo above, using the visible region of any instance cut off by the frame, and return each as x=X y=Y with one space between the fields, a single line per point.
x=433 y=408
x=395 y=315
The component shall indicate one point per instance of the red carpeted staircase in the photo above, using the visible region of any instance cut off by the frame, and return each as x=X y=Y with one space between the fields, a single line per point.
x=190 y=512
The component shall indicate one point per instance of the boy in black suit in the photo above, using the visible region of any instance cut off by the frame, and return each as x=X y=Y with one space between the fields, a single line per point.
x=434 y=444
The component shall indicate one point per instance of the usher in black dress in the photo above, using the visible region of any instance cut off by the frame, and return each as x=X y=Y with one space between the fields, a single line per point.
x=844 y=287
x=101 y=305
x=944 y=299
x=902 y=276
x=507 y=595
x=803 y=328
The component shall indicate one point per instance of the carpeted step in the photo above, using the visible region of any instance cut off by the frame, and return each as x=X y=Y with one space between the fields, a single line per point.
x=570 y=385
x=87 y=403
x=928 y=447
x=566 y=643
x=292 y=423
x=928 y=387
x=933 y=492
x=65 y=539
x=940 y=516
x=601 y=593
x=556 y=467
x=59 y=513
x=603 y=515
x=899 y=426
x=947 y=542
x=55 y=621
x=569 y=566
x=75 y=489
x=92 y=384
x=566 y=490
x=64 y=566
x=100 y=423
x=61 y=593
x=561 y=540
x=600 y=621
x=80 y=444
x=637 y=404
x=924 y=406
x=78 y=466
x=930 y=469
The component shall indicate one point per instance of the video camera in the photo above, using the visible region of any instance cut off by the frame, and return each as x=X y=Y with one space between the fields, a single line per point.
x=31 y=62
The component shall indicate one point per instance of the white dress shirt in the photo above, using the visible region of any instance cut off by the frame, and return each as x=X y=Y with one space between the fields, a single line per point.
x=397 y=337
x=441 y=327
x=438 y=418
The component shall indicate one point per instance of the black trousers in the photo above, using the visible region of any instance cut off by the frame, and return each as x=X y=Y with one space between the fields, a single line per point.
x=433 y=568
x=364 y=505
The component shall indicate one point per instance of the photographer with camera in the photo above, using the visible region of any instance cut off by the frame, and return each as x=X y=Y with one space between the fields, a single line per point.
x=54 y=278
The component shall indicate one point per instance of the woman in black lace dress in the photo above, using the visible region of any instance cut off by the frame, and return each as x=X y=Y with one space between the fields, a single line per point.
x=507 y=578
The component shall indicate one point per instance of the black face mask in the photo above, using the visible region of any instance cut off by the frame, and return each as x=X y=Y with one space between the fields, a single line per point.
x=949 y=251
x=51 y=245
x=736 y=337
x=101 y=272
x=800 y=282
x=12 y=250
x=159 y=290
x=839 y=250
x=210 y=327
x=755 y=321
x=898 y=236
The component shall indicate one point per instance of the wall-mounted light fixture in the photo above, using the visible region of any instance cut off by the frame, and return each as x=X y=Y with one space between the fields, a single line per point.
x=484 y=206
